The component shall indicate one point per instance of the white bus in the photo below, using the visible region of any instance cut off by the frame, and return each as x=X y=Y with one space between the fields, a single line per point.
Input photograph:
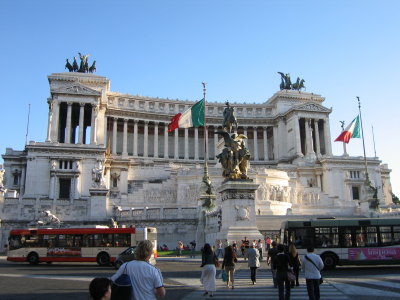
x=99 y=244
x=346 y=241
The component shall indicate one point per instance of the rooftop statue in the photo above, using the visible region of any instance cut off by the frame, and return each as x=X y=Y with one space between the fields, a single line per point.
x=229 y=118
x=83 y=66
x=286 y=83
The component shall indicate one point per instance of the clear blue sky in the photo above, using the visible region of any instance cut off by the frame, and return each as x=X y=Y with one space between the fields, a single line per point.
x=342 y=49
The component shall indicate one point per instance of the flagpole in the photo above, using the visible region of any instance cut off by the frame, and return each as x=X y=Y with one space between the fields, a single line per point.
x=205 y=128
x=362 y=130
x=373 y=139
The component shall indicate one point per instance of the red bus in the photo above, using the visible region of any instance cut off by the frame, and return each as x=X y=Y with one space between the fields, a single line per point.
x=98 y=244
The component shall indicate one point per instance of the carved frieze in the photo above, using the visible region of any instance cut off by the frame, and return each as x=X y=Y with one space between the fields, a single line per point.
x=238 y=195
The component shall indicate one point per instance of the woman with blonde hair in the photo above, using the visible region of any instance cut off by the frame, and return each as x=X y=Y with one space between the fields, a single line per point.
x=295 y=260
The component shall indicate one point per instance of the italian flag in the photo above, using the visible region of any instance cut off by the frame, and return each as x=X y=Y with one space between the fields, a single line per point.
x=192 y=117
x=351 y=131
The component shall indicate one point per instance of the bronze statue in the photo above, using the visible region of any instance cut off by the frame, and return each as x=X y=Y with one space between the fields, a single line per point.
x=75 y=65
x=235 y=156
x=83 y=68
x=93 y=67
x=286 y=83
x=299 y=84
x=229 y=118
x=68 y=66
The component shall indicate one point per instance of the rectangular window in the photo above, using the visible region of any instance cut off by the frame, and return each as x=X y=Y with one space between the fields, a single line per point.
x=356 y=192
x=65 y=188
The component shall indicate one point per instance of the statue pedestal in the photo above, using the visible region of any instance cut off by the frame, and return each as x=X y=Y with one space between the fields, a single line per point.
x=201 y=225
x=238 y=211
x=98 y=203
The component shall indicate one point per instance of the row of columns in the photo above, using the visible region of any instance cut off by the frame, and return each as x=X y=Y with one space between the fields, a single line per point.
x=313 y=133
x=176 y=140
x=53 y=122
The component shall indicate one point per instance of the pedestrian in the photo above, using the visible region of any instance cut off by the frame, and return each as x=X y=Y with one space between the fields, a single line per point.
x=260 y=248
x=312 y=265
x=253 y=257
x=271 y=254
x=295 y=260
x=147 y=281
x=234 y=247
x=246 y=246
x=179 y=248
x=268 y=243
x=208 y=263
x=100 y=288
x=219 y=249
x=229 y=265
x=242 y=249
x=192 y=248
x=282 y=265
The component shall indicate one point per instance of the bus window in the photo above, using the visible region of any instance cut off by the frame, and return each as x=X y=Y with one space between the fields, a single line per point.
x=347 y=238
x=103 y=240
x=396 y=235
x=372 y=237
x=360 y=237
x=303 y=237
x=121 y=240
x=14 y=242
x=77 y=241
x=326 y=237
x=386 y=235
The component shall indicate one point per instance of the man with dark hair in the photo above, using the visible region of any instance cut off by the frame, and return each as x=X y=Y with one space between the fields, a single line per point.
x=312 y=265
x=282 y=265
x=270 y=257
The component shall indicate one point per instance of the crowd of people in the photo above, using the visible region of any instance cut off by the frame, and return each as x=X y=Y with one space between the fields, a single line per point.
x=284 y=262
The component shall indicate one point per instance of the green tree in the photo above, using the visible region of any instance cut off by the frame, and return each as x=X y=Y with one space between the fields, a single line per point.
x=395 y=199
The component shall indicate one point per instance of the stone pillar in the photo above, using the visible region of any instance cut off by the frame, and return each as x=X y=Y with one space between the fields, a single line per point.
x=265 y=137
x=238 y=211
x=155 y=139
x=245 y=130
x=316 y=133
x=125 y=139
x=49 y=120
x=299 y=153
x=196 y=143
x=327 y=135
x=186 y=143
x=54 y=137
x=135 y=137
x=93 y=126
x=105 y=129
x=206 y=142
x=98 y=204
x=146 y=139
x=68 y=129
x=165 y=140
x=276 y=143
x=308 y=136
x=114 y=144
x=215 y=143
x=81 y=119
x=255 y=140
x=176 y=149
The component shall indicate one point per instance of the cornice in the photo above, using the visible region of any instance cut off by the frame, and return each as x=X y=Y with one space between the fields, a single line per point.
x=75 y=89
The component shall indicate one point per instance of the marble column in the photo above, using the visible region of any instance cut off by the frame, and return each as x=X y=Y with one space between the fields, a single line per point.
x=215 y=143
x=255 y=140
x=186 y=143
x=93 y=125
x=146 y=139
x=114 y=144
x=176 y=149
x=165 y=140
x=316 y=133
x=155 y=139
x=308 y=136
x=125 y=139
x=81 y=119
x=135 y=137
x=276 y=143
x=206 y=142
x=265 y=137
x=327 y=135
x=55 y=126
x=297 y=137
x=49 y=120
x=106 y=139
x=196 y=143
x=68 y=129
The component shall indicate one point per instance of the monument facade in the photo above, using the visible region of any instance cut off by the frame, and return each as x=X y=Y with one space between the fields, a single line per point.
x=109 y=155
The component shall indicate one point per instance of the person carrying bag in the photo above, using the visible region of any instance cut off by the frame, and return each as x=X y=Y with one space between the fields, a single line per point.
x=312 y=264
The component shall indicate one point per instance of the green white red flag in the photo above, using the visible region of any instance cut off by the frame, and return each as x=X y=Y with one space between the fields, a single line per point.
x=351 y=131
x=192 y=117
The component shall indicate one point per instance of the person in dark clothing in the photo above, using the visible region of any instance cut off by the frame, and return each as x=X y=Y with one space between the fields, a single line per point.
x=295 y=260
x=282 y=264
x=229 y=265
x=270 y=256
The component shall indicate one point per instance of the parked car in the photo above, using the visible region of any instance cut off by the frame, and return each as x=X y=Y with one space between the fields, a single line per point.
x=128 y=255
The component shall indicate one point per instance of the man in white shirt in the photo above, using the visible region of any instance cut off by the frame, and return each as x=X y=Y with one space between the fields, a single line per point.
x=312 y=265
x=147 y=281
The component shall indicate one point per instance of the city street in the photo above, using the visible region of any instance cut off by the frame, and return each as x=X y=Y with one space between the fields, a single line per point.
x=181 y=277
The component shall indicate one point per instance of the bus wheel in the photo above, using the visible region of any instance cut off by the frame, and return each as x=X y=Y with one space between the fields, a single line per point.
x=103 y=259
x=33 y=258
x=329 y=261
